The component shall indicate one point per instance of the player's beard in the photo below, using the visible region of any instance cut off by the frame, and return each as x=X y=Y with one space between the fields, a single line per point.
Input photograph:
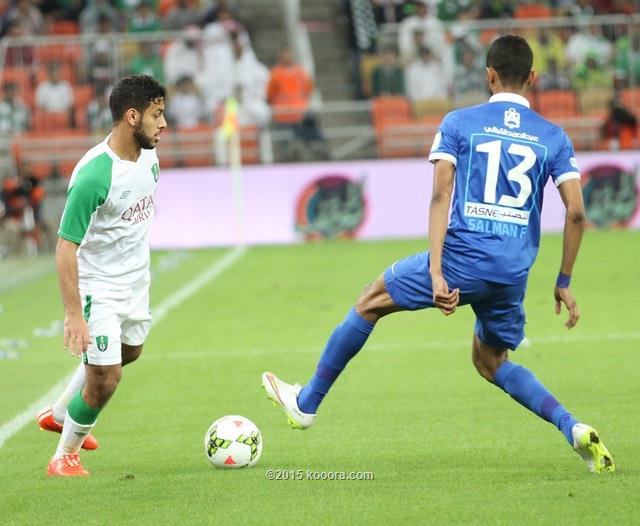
x=144 y=142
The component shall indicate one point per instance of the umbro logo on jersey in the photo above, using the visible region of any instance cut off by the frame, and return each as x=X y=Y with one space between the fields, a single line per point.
x=125 y=194
x=511 y=118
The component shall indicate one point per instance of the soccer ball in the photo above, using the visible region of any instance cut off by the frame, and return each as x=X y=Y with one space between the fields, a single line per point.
x=233 y=442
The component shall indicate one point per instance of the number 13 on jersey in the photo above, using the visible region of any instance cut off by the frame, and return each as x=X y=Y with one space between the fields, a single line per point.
x=503 y=179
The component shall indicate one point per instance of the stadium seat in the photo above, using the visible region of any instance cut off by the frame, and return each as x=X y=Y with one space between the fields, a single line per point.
x=557 y=103
x=65 y=27
x=630 y=97
x=431 y=108
x=533 y=11
x=63 y=53
x=410 y=139
x=67 y=72
x=249 y=147
x=44 y=121
x=389 y=110
x=595 y=102
x=194 y=147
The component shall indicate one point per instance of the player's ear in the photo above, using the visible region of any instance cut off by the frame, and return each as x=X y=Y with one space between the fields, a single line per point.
x=492 y=75
x=533 y=76
x=132 y=116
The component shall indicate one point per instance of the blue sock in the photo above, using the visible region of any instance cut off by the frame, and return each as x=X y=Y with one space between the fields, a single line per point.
x=345 y=342
x=526 y=389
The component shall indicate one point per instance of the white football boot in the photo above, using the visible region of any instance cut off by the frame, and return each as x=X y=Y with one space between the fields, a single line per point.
x=285 y=396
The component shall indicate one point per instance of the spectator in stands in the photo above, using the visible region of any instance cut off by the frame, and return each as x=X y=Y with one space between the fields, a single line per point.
x=54 y=95
x=433 y=33
x=627 y=60
x=426 y=79
x=29 y=16
x=588 y=42
x=554 y=77
x=103 y=69
x=94 y=12
x=547 y=45
x=387 y=78
x=592 y=75
x=289 y=90
x=620 y=128
x=212 y=12
x=183 y=57
x=14 y=115
x=183 y=14
x=19 y=56
x=185 y=106
x=99 y=112
x=144 y=19
x=250 y=86
x=361 y=36
x=217 y=51
x=289 y=93
x=496 y=9
x=470 y=86
x=248 y=72
x=147 y=61
x=21 y=198
x=388 y=11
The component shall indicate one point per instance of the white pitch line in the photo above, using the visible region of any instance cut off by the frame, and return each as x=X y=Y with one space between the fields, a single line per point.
x=376 y=347
x=160 y=312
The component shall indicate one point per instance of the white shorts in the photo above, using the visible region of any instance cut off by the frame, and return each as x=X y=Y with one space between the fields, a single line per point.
x=115 y=317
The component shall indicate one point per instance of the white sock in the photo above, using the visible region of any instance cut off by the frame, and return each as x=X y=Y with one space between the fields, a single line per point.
x=76 y=383
x=73 y=435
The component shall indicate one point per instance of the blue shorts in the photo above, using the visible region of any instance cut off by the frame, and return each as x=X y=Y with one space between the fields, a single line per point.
x=499 y=310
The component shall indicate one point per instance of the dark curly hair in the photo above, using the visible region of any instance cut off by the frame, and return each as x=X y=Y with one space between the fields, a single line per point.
x=512 y=58
x=135 y=91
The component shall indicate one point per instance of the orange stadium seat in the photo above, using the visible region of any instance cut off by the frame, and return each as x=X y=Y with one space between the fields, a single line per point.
x=58 y=53
x=249 y=145
x=390 y=110
x=595 y=102
x=557 y=103
x=533 y=11
x=630 y=97
x=66 y=72
x=65 y=27
x=44 y=121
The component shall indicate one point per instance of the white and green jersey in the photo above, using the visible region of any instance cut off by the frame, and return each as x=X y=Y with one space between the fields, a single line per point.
x=109 y=210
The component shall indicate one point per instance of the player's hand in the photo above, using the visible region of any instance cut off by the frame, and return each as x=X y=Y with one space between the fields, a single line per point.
x=565 y=296
x=445 y=300
x=76 y=334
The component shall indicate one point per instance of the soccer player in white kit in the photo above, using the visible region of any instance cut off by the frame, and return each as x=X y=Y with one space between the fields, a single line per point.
x=102 y=258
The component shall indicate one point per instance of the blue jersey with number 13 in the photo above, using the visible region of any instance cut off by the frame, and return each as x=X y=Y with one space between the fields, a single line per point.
x=504 y=153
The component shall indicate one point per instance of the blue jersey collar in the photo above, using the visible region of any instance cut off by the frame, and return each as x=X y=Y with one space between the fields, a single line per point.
x=509 y=97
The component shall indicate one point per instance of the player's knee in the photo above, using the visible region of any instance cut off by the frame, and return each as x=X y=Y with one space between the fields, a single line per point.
x=130 y=353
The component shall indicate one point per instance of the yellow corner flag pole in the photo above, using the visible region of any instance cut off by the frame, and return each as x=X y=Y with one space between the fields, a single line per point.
x=231 y=134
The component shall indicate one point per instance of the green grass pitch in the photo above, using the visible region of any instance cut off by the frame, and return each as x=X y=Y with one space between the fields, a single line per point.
x=443 y=445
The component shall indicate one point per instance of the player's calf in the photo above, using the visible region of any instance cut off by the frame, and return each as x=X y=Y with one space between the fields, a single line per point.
x=487 y=359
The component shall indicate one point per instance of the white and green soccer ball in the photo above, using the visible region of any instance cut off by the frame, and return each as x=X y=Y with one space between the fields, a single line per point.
x=233 y=441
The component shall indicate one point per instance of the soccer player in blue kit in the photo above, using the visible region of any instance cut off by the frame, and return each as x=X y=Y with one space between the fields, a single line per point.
x=495 y=159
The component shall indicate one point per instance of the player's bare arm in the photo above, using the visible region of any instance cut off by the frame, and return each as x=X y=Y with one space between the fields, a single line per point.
x=444 y=173
x=571 y=193
x=76 y=331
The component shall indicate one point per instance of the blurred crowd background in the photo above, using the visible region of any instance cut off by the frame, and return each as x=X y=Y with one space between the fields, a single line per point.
x=315 y=80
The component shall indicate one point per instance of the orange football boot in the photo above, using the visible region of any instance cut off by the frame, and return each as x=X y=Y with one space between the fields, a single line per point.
x=67 y=466
x=48 y=423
